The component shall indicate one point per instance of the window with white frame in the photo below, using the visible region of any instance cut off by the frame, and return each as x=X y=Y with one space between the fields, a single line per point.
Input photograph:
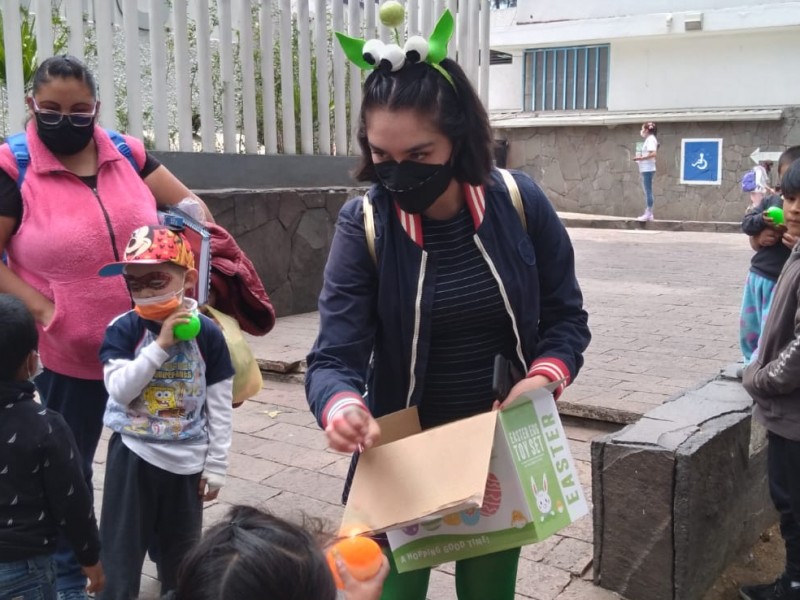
x=572 y=78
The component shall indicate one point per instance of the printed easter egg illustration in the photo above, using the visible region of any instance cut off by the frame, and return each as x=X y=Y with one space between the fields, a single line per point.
x=518 y=520
x=559 y=506
x=432 y=524
x=492 y=496
x=452 y=519
x=411 y=529
x=471 y=516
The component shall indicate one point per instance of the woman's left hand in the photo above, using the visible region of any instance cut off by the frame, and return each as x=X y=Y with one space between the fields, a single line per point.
x=526 y=385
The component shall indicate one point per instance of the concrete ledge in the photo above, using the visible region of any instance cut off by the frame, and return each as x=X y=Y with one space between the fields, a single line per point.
x=605 y=222
x=213 y=171
x=678 y=495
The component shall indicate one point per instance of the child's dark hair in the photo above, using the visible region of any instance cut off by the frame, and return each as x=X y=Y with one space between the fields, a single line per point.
x=455 y=110
x=255 y=556
x=64 y=66
x=650 y=127
x=790 y=182
x=18 y=335
x=787 y=157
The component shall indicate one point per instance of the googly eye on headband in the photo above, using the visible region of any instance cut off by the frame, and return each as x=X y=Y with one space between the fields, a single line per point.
x=374 y=54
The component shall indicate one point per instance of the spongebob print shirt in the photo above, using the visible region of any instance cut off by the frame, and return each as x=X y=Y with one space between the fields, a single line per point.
x=171 y=405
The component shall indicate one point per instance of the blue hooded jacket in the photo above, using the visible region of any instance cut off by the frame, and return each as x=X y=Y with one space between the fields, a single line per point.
x=375 y=320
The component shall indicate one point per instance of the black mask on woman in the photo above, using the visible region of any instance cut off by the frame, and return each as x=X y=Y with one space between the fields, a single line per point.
x=414 y=185
x=64 y=138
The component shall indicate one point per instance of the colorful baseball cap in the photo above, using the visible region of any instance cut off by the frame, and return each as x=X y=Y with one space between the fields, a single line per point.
x=152 y=245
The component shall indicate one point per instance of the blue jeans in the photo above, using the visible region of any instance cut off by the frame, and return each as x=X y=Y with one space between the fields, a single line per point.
x=647 y=184
x=31 y=579
x=82 y=403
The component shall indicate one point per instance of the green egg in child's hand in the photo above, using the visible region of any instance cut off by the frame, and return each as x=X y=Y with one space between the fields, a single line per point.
x=776 y=214
x=187 y=331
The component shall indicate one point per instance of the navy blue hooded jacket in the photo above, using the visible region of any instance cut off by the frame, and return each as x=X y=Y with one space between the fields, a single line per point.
x=375 y=319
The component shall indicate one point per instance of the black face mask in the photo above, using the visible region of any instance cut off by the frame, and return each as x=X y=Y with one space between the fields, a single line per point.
x=414 y=185
x=64 y=138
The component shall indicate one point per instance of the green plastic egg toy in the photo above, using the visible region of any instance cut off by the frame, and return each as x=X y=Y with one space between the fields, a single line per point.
x=187 y=331
x=776 y=214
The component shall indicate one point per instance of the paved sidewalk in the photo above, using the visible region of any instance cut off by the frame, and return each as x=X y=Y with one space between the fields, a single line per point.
x=663 y=309
x=664 y=314
x=280 y=462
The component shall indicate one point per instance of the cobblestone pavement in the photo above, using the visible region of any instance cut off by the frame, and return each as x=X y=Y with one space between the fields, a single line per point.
x=663 y=309
x=664 y=313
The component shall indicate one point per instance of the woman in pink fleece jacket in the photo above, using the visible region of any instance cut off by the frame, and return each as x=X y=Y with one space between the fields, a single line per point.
x=78 y=203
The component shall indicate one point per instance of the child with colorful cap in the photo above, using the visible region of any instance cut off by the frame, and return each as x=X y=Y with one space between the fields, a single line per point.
x=169 y=408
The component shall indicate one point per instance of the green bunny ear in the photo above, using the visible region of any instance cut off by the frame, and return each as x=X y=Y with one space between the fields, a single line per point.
x=437 y=44
x=353 y=50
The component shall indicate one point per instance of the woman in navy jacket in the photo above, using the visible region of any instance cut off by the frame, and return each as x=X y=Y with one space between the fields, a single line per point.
x=457 y=279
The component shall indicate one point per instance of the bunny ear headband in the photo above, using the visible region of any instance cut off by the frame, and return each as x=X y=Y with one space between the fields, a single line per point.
x=374 y=54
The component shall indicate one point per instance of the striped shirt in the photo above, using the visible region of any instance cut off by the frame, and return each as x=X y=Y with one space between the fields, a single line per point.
x=469 y=325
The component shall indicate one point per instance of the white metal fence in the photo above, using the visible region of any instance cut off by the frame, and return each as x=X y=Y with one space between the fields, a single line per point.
x=254 y=76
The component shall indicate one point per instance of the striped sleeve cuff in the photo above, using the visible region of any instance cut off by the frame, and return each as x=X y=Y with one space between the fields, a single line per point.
x=339 y=403
x=554 y=369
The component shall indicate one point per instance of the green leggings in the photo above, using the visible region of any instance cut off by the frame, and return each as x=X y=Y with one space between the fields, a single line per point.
x=491 y=576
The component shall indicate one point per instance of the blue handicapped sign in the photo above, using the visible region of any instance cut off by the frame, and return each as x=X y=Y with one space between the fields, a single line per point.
x=701 y=161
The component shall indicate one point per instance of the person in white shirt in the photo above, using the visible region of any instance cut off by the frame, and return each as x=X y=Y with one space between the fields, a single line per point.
x=763 y=189
x=647 y=167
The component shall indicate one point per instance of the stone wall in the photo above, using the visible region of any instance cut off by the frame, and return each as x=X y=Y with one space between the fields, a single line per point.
x=286 y=233
x=589 y=169
x=679 y=495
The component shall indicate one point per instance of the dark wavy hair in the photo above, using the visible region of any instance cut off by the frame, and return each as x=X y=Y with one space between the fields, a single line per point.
x=18 y=335
x=456 y=111
x=650 y=127
x=790 y=182
x=253 y=555
x=64 y=66
x=787 y=157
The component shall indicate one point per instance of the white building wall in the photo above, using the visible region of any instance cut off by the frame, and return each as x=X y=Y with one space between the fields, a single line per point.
x=505 y=85
x=536 y=11
x=739 y=70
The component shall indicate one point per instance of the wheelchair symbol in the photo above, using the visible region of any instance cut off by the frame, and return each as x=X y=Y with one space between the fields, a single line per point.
x=701 y=163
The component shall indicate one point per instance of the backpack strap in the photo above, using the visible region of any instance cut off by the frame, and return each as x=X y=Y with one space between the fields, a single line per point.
x=516 y=197
x=369 y=226
x=18 y=144
x=123 y=147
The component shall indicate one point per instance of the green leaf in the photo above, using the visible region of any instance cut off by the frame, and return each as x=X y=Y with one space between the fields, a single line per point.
x=353 y=50
x=437 y=44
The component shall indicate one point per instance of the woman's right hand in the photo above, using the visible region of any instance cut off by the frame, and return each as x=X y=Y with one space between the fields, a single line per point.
x=371 y=589
x=353 y=429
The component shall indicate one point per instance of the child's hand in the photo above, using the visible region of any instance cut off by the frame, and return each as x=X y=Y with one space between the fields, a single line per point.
x=353 y=429
x=789 y=240
x=96 y=576
x=166 y=339
x=769 y=222
x=370 y=589
x=210 y=485
x=206 y=491
x=768 y=237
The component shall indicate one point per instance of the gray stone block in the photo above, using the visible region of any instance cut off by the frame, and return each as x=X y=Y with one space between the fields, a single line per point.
x=679 y=494
x=633 y=556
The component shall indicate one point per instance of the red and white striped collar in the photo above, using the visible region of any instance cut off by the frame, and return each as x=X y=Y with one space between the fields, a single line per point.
x=476 y=202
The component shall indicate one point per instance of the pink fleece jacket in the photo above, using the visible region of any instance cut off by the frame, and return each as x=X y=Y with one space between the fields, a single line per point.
x=68 y=231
